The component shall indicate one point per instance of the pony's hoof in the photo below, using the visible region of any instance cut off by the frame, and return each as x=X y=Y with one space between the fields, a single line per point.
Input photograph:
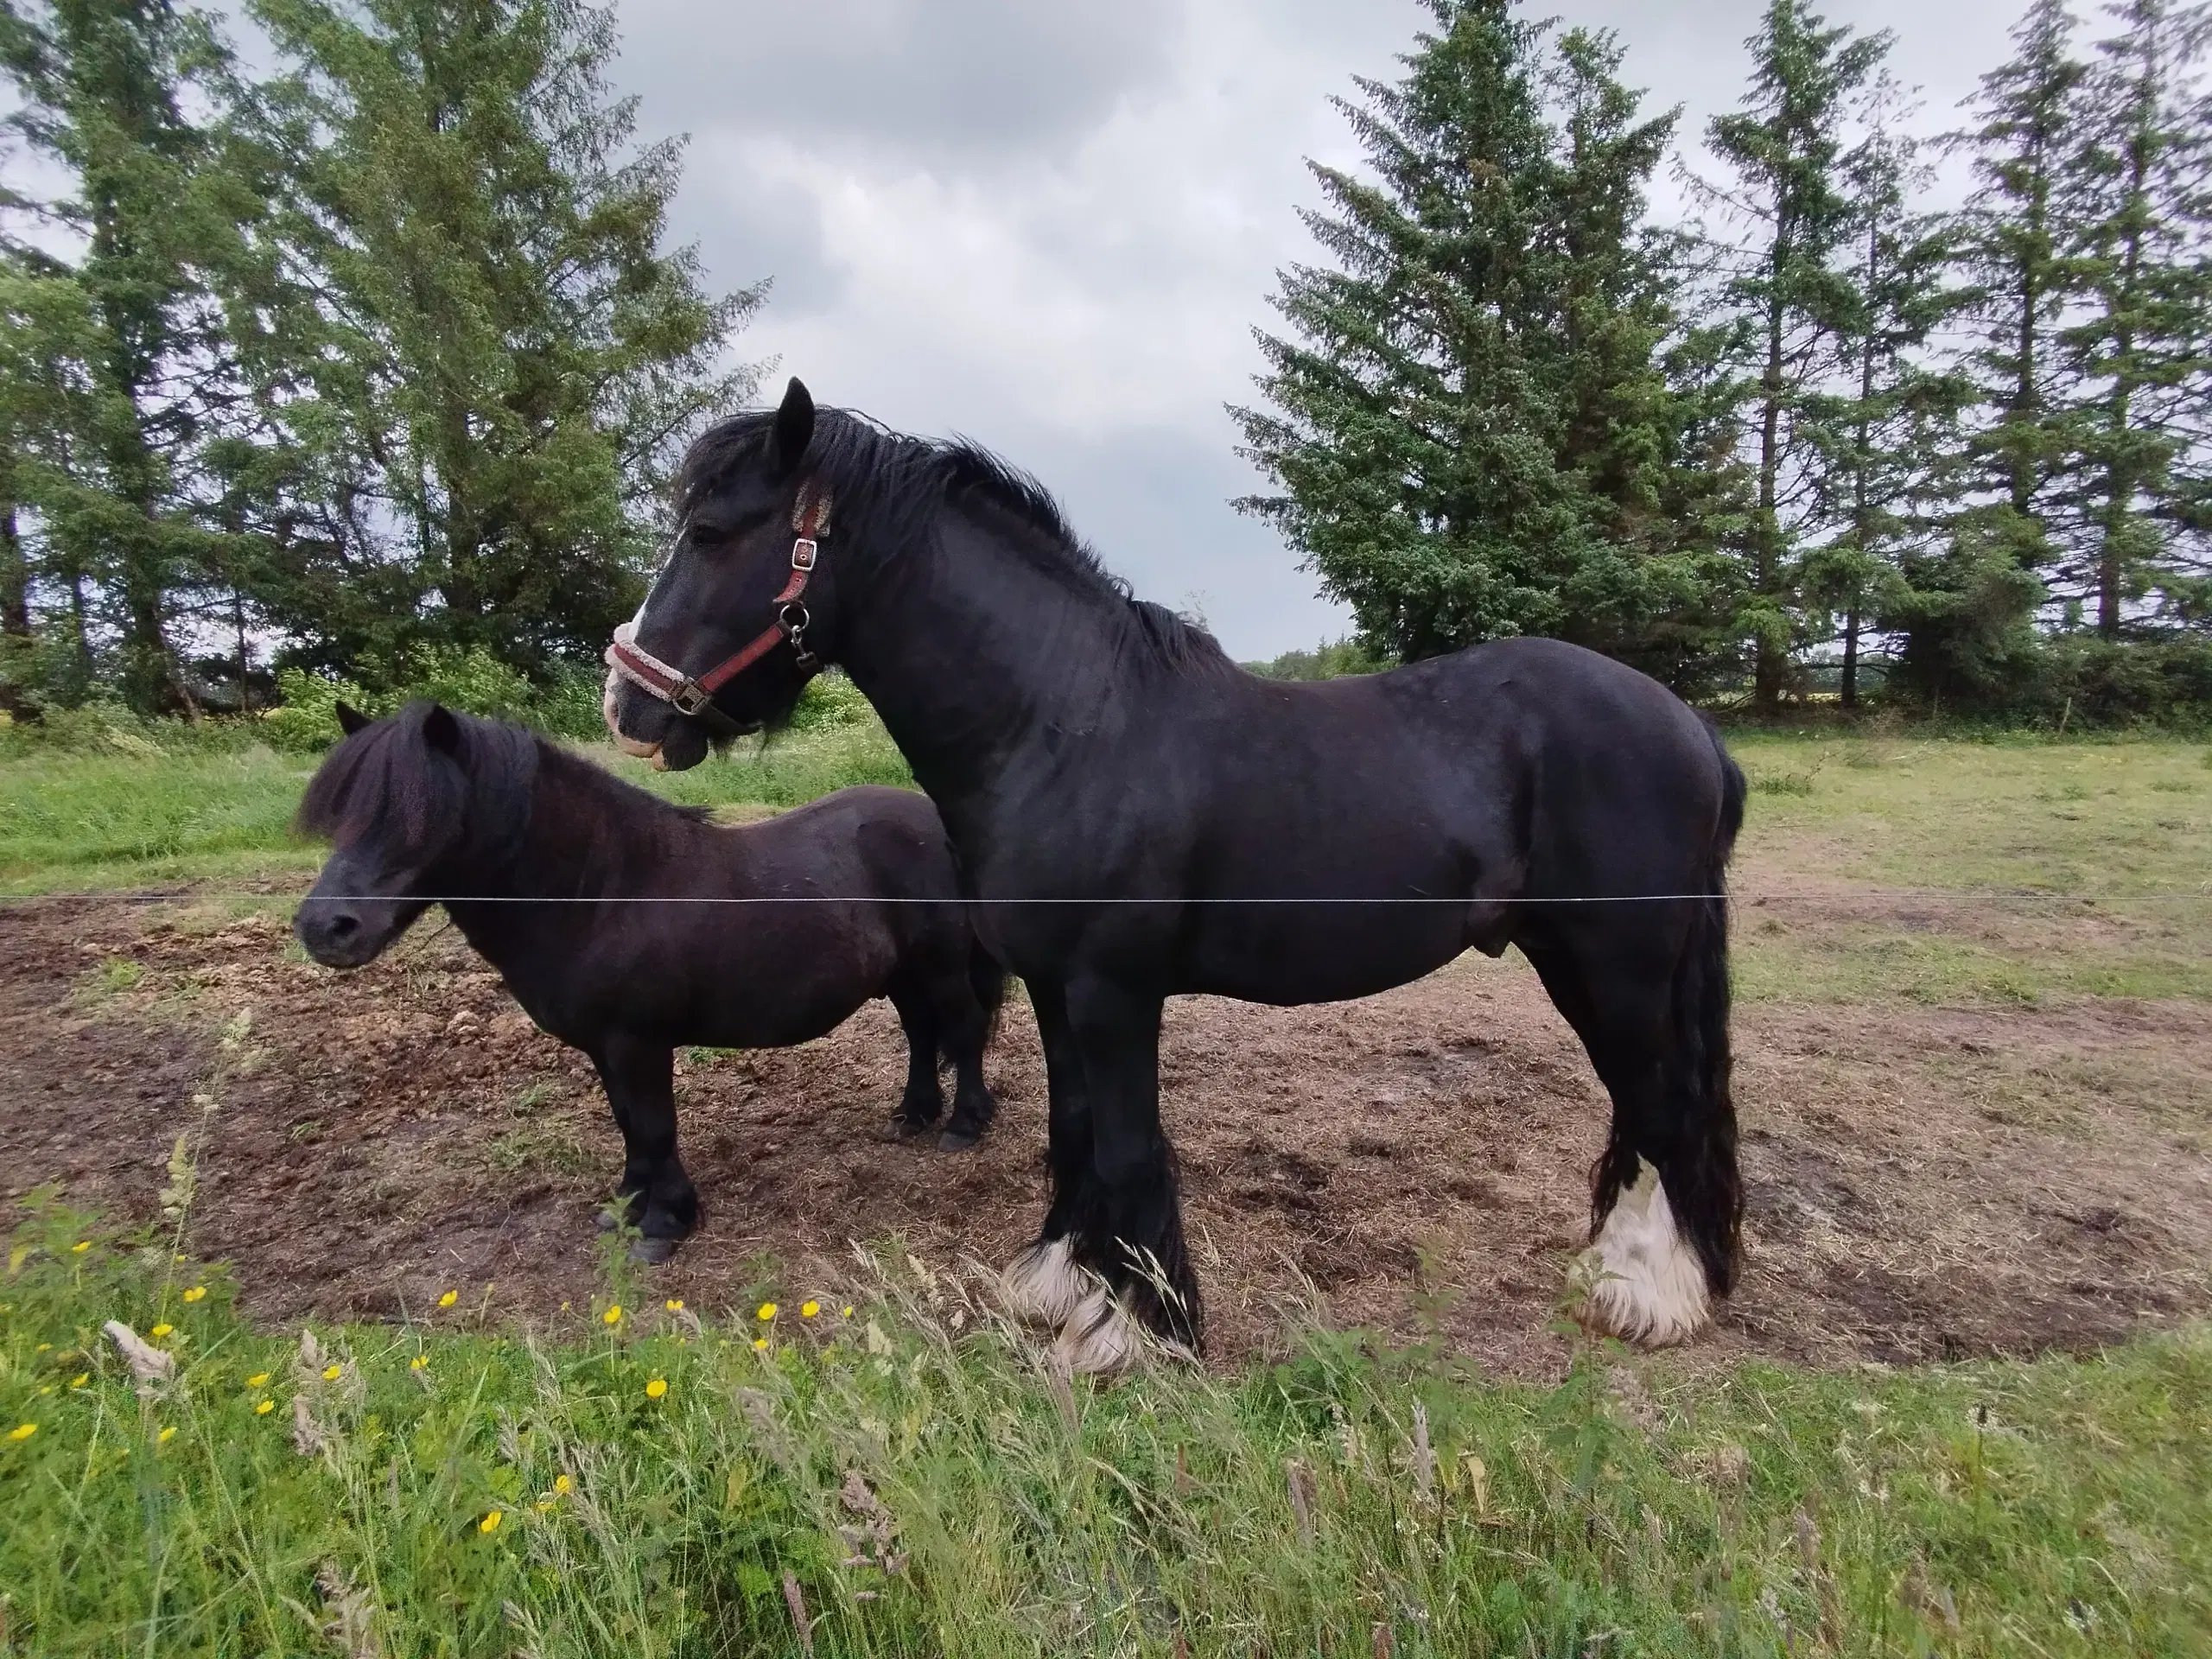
x=907 y=1128
x=611 y=1218
x=653 y=1251
x=1101 y=1340
x=959 y=1139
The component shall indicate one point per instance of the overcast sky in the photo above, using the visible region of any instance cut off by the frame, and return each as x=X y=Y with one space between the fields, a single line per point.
x=1053 y=228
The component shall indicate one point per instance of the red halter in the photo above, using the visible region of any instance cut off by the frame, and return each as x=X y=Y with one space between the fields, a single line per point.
x=810 y=520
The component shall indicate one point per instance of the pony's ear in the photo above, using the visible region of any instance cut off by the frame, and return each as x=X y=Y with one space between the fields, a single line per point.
x=794 y=427
x=350 y=719
x=441 y=730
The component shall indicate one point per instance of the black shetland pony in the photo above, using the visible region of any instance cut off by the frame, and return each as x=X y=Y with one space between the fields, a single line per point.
x=1140 y=818
x=434 y=807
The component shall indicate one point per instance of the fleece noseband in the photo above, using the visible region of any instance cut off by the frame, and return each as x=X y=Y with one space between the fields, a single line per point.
x=689 y=695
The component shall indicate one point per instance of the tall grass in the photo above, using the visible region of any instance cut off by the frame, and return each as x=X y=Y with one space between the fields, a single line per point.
x=895 y=1468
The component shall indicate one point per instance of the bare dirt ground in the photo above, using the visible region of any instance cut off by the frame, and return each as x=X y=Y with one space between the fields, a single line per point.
x=1924 y=1182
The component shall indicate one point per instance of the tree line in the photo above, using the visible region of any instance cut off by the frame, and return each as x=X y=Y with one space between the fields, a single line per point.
x=1818 y=430
x=363 y=345
x=377 y=352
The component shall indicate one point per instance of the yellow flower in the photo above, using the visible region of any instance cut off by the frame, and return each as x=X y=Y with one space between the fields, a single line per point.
x=161 y=1330
x=613 y=1316
x=808 y=1310
x=420 y=1362
x=264 y=1407
x=542 y=1504
x=448 y=1299
x=656 y=1387
x=257 y=1379
x=43 y=1347
x=331 y=1373
x=845 y=1312
x=80 y=1379
x=23 y=1431
x=562 y=1485
x=197 y=1294
x=674 y=1304
x=80 y=1246
x=165 y=1437
x=491 y=1523
x=768 y=1310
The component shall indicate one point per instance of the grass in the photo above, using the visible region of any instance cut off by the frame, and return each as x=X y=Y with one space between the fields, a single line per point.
x=532 y=1493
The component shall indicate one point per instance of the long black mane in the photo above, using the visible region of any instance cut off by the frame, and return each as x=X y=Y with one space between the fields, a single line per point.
x=887 y=489
x=389 y=784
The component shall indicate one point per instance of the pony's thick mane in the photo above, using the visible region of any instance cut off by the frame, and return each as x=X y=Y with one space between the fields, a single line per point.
x=889 y=487
x=385 y=782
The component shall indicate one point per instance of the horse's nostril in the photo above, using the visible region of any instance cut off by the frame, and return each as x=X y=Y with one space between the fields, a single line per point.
x=343 y=926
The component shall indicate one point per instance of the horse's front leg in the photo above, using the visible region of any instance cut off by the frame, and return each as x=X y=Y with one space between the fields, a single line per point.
x=1044 y=1283
x=655 y=1193
x=1127 y=1231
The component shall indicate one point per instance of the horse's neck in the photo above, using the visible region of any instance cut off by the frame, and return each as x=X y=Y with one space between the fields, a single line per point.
x=972 y=652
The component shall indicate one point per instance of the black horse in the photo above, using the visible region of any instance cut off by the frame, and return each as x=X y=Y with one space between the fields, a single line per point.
x=1141 y=818
x=430 y=806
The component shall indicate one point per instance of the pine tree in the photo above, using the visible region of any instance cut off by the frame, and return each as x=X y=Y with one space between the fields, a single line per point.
x=1884 y=434
x=102 y=85
x=490 y=364
x=1779 y=280
x=2136 y=356
x=1469 y=428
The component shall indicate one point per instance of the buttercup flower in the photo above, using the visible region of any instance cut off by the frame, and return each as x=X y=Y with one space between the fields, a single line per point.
x=562 y=1485
x=165 y=1437
x=80 y=1246
x=161 y=1329
x=808 y=1310
x=674 y=1304
x=420 y=1362
x=656 y=1387
x=491 y=1523
x=80 y=1379
x=448 y=1299
x=257 y=1379
x=761 y=1343
x=613 y=1316
x=23 y=1431
x=846 y=1311
x=768 y=1310
x=197 y=1294
x=264 y=1407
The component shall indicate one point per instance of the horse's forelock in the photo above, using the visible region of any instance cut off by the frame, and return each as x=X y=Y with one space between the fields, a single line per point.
x=388 y=785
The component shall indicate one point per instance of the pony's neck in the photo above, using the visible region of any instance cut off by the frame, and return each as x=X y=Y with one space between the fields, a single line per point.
x=971 y=648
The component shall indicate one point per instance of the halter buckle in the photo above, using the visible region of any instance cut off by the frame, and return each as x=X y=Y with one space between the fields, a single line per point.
x=688 y=697
x=803 y=553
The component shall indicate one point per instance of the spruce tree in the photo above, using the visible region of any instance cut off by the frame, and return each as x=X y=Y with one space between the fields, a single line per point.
x=1468 y=427
x=2136 y=352
x=1787 y=217
x=493 y=362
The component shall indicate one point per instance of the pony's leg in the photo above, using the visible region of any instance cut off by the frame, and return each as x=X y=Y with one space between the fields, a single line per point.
x=965 y=1025
x=1131 y=1234
x=1646 y=1271
x=1045 y=1283
x=640 y=1079
x=923 y=1103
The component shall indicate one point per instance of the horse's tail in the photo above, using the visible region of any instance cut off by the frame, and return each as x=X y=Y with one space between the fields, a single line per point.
x=1704 y=1184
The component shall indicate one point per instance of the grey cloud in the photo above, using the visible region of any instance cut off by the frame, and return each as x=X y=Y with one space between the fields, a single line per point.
x=972 y=83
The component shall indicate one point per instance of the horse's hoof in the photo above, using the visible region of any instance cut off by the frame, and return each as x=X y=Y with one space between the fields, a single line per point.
x=609 y=1219
x=1044 y=1284
x=1101 y=1339
x=958 y=1140
x=1645 y=1284
x=653 y=1251
x=908 y=1128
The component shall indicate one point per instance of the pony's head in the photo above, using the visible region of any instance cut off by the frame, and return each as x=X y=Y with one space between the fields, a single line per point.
x=420 y=806
x=744 y=500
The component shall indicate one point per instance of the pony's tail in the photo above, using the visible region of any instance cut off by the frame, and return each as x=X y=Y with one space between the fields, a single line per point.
x=1703 y=1183
x=988 y=980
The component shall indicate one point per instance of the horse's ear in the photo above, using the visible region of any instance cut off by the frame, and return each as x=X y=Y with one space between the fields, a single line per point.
x=794 y=427
x=441 y=730
x=350 y=719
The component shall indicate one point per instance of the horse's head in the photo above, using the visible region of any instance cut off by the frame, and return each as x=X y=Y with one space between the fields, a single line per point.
x=411 y=805
x=739 y=618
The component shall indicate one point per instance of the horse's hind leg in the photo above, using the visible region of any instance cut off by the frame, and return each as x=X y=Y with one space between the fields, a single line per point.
x=656 y=1193
x=923 y=1103
x=1656 y=1218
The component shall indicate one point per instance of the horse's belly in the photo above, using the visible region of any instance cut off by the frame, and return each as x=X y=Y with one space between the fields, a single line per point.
x=1288 y=959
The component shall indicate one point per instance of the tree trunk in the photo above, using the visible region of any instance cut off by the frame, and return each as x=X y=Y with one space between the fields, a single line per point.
x=1850 y=683
x=1770 y=664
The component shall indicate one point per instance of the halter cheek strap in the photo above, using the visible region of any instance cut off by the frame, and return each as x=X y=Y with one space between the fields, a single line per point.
x=688 y=696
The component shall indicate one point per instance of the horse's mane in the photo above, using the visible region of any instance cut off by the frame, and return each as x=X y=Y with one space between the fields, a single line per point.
x=384 y=782
x=889 y=488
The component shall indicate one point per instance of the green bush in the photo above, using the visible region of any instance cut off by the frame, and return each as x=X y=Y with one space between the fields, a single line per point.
x=830 y=701
x=473 y=681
